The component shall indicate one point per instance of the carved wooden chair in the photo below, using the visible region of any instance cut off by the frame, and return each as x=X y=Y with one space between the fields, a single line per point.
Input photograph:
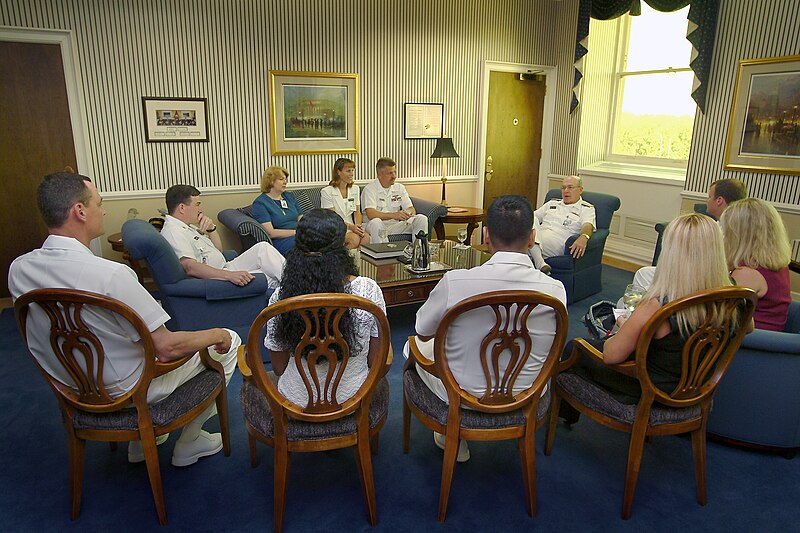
x=704 y=360
x=322 y=424
x=89 y=411
x=498 y=414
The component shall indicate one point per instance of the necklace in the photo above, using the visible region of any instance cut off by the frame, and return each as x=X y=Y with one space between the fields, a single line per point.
x=280 y=201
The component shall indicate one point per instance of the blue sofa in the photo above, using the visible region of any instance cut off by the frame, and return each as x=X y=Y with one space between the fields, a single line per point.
x=583 y=277
x=758 y=400
x=250 y=231
x=192 y=303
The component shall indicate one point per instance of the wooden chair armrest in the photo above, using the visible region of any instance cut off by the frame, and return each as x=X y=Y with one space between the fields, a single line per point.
x=416 y=356
x=581 y=345
x=162 y=368
x=241 y=360
x=388 y=365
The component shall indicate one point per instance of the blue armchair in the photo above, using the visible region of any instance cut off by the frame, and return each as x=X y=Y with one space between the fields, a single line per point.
x=583 y=277
x=758 y=401
x=250 y=231
x=194 y=303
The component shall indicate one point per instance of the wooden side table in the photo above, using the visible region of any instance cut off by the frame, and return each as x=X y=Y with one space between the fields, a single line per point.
x=471 y=216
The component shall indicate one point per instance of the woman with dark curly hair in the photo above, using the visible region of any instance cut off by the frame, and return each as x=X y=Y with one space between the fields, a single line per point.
x=319 y=262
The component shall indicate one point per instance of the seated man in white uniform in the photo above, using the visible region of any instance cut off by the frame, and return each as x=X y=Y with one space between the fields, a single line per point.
x=508 y=236
x=388 y=207
x=71 y=207
x=721 y=194
x=193 y=237
x=560 y=219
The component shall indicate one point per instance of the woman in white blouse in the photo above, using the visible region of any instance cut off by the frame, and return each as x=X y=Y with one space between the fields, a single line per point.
x=343 y=197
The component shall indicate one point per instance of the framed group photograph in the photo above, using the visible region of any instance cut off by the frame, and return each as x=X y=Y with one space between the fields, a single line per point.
x=175 y=119
x=764 y=133
x=422 y=121
x=313 y=112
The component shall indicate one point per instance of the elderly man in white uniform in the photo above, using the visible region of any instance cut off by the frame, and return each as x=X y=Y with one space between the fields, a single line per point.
x=71 y=207
x=193 y=237
x=388 y=207
x=559 y=219
x=507 y=234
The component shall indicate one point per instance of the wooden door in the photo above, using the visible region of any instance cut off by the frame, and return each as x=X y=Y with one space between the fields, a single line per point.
x=513 y=136
x=35 y=140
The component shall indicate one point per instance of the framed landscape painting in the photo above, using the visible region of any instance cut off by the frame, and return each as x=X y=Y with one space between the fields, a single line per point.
x=764 y=133
x=313 y=112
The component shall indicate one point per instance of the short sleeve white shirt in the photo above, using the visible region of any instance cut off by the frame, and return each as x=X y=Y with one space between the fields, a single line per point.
x=188 y=242
x=331 y=198
x=503 y=271
x=385 y=200
x=559 y=221
x=63 y=262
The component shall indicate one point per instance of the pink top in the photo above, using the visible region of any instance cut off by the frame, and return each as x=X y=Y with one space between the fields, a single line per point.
x=772 y=310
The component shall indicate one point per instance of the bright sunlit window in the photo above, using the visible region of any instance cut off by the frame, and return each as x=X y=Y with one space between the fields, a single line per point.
x=654 y=111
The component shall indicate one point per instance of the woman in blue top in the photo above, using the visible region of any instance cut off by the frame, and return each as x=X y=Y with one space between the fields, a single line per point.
x=276 y=209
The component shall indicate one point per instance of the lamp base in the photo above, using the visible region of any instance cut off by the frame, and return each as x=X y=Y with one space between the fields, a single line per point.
x=444 y=200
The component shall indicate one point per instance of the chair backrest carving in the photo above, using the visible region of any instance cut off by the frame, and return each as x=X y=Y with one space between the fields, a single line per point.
x=508 y=338
x=322 y=341
x=707 y=351
x=77 y=348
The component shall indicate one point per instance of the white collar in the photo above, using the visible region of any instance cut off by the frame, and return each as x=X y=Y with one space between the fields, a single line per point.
x=62 y=242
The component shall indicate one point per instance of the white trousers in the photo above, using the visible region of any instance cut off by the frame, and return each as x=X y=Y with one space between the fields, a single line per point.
x=261 y=257
x=413 y=225
x=163 y=386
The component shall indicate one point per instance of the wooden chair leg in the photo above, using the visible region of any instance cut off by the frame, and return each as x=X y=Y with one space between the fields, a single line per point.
x=364 y=463
x=406 y=423
x=77 y=449
x=224 y=427
x=448 y=467
x=154 y=473
x=374 y=443
x=251 y=443
x=699 y=448
x=552 y=422
x=635 y=451
x=281 y=474
x=527 y=455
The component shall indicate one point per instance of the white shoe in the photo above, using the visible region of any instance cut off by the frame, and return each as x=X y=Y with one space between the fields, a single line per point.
x=187 y=453
x=135 y=451
x=463 y=449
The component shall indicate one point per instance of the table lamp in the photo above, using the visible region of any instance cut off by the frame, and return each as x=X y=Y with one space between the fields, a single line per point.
x=444 y=150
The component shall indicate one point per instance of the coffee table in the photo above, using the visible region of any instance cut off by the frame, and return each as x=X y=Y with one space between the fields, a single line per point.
x=401 y=287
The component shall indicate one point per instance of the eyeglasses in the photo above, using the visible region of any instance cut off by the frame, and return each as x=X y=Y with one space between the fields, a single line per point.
x=568 y=187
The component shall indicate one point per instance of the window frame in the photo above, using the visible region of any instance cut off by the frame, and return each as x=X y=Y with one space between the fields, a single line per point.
x=620 y=73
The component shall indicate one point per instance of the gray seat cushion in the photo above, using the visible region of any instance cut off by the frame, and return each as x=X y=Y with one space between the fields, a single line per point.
x=426 y=401
x=257 y=412
x=181 y=401
x=598 y=399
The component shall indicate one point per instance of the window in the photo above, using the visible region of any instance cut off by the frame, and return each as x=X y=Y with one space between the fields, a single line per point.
x=653 y=114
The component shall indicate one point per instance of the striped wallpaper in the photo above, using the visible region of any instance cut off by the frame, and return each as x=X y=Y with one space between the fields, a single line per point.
x=746 y=30
x=404 y=51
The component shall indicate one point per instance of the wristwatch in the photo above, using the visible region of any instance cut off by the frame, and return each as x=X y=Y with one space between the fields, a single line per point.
x=212 y=230
x=585 y=235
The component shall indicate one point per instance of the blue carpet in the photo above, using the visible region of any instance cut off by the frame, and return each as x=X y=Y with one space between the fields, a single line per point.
x=579 y=486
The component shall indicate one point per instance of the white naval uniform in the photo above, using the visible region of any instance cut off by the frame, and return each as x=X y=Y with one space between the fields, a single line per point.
x=558 y=221
x=503 y=271
x=64 y=262
x=186 y=241
x=390 y=200
x=331 y=198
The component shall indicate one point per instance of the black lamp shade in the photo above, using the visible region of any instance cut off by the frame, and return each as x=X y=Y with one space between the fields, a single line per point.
x=444 y=148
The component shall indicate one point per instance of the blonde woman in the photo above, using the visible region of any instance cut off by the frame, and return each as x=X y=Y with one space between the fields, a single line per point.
x=343 y=197
x=692 y=259
x=757 y=250
x=277 y=209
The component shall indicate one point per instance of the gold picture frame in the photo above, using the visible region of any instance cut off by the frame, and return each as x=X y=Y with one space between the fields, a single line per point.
x=313 y=112
x=764 y=132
